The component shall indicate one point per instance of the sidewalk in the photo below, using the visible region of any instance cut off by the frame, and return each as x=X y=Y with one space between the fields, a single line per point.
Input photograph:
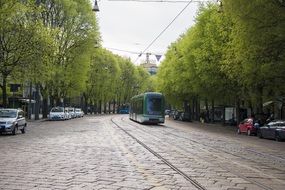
x=214 y=127
x=33 y=118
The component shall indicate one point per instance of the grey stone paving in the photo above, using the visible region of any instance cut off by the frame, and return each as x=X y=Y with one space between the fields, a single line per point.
x=92 y=153
x=216 y=163
x=83 y=153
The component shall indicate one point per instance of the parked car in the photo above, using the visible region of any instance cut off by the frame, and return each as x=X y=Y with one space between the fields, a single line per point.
x=68 y=114
x=248 y=126
x=58 y=113
x=184 y=116
x=79 y=112
x=176 y=114
x=171 y=113
x=167 y=112
x=273 y=130
x=71 y=112
x=12 y=120
x=123 y=109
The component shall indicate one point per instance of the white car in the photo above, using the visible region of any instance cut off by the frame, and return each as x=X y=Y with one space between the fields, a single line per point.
x=11 y=120
x=57 y=113
x=72 y=112
x=79 y=112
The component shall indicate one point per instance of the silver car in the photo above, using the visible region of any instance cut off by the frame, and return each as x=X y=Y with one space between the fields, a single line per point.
x=79 y=112
x=58 y=113
x=12 y=120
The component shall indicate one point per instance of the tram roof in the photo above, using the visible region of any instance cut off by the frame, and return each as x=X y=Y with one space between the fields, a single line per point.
x=146 y=94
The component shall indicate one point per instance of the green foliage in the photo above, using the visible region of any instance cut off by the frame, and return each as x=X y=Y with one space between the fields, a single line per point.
x=112 y=77
x=258 y=41
x=230 y=55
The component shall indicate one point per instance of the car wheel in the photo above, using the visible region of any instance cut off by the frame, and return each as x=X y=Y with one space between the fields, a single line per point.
x=23 y=130
x=248 y=132
x=14 y=132
x=259 y=134
x=277 y=137
x=238 y=131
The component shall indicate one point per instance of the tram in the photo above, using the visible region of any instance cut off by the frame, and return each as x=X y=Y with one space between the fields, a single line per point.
x=147 y=108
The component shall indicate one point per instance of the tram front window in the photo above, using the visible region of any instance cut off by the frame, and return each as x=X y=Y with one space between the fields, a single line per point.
x=154 y=106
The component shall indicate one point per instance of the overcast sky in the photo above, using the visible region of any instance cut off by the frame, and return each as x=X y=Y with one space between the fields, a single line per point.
x=132 y=26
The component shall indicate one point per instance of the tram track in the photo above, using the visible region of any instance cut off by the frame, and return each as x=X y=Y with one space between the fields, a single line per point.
x=164 y=160
x=277 y=159
x=252 y=181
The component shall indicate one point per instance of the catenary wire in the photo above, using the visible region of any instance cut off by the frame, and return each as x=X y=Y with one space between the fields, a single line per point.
x=127 y=51
x=164 y=1
x=164 y=29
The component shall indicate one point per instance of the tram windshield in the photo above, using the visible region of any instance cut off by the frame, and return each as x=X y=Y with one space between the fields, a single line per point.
x=154 y=105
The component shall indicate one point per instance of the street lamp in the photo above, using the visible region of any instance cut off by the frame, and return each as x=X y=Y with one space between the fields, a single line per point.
x=95 y=7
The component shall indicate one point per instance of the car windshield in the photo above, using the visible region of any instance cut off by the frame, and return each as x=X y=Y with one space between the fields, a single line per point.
x=57 y=110
x=8 y=113
x=77 y=110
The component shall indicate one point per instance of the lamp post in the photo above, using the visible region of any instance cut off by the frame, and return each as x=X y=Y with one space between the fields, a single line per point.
x=95 y=7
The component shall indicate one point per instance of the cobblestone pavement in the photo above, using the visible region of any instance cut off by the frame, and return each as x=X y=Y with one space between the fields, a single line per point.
x=94 y=153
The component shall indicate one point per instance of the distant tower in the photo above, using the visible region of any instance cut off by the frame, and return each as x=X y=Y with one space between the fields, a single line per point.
x=149 y=65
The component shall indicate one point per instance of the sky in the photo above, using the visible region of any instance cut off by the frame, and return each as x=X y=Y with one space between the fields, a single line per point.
x=131 y=26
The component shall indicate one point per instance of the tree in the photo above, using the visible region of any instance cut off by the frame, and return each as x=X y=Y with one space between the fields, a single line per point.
x=258 y=40
x=22 y=40
x=76 y=33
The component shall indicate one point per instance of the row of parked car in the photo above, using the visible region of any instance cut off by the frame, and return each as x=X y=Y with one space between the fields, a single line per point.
x=61 y=113
x=273 y=130
x=178 y=115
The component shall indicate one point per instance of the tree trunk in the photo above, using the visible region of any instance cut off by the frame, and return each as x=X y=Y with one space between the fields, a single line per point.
x=109 y=107
x=238 y=110
x=100 y=106
x=119 y=104
x=45 y=107
x=4 y=91
x=84 y=103
x=114 y=106
x=207 y=111
x=197 y=108
x=194 y=108
x=37 y=106
x=105 y=107
x=30 y=101
x=224 y=117
x=259 y=100
x=213 y=111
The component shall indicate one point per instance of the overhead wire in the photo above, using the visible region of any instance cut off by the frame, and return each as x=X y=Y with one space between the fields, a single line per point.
x=127 y=51
x=152 y=42
x=162 y=1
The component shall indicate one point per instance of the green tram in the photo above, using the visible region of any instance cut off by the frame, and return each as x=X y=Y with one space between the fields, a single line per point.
x=147 y=108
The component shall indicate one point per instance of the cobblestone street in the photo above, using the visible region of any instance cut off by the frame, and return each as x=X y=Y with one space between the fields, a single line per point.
x=112 y=152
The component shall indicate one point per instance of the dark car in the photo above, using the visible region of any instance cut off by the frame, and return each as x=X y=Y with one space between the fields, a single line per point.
x=185 y=116
x=176 y=114
x=273 y=130
x=248 y=126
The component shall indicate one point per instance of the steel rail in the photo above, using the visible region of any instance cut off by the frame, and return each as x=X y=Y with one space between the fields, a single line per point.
x=188 y=178
x=233 y=172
